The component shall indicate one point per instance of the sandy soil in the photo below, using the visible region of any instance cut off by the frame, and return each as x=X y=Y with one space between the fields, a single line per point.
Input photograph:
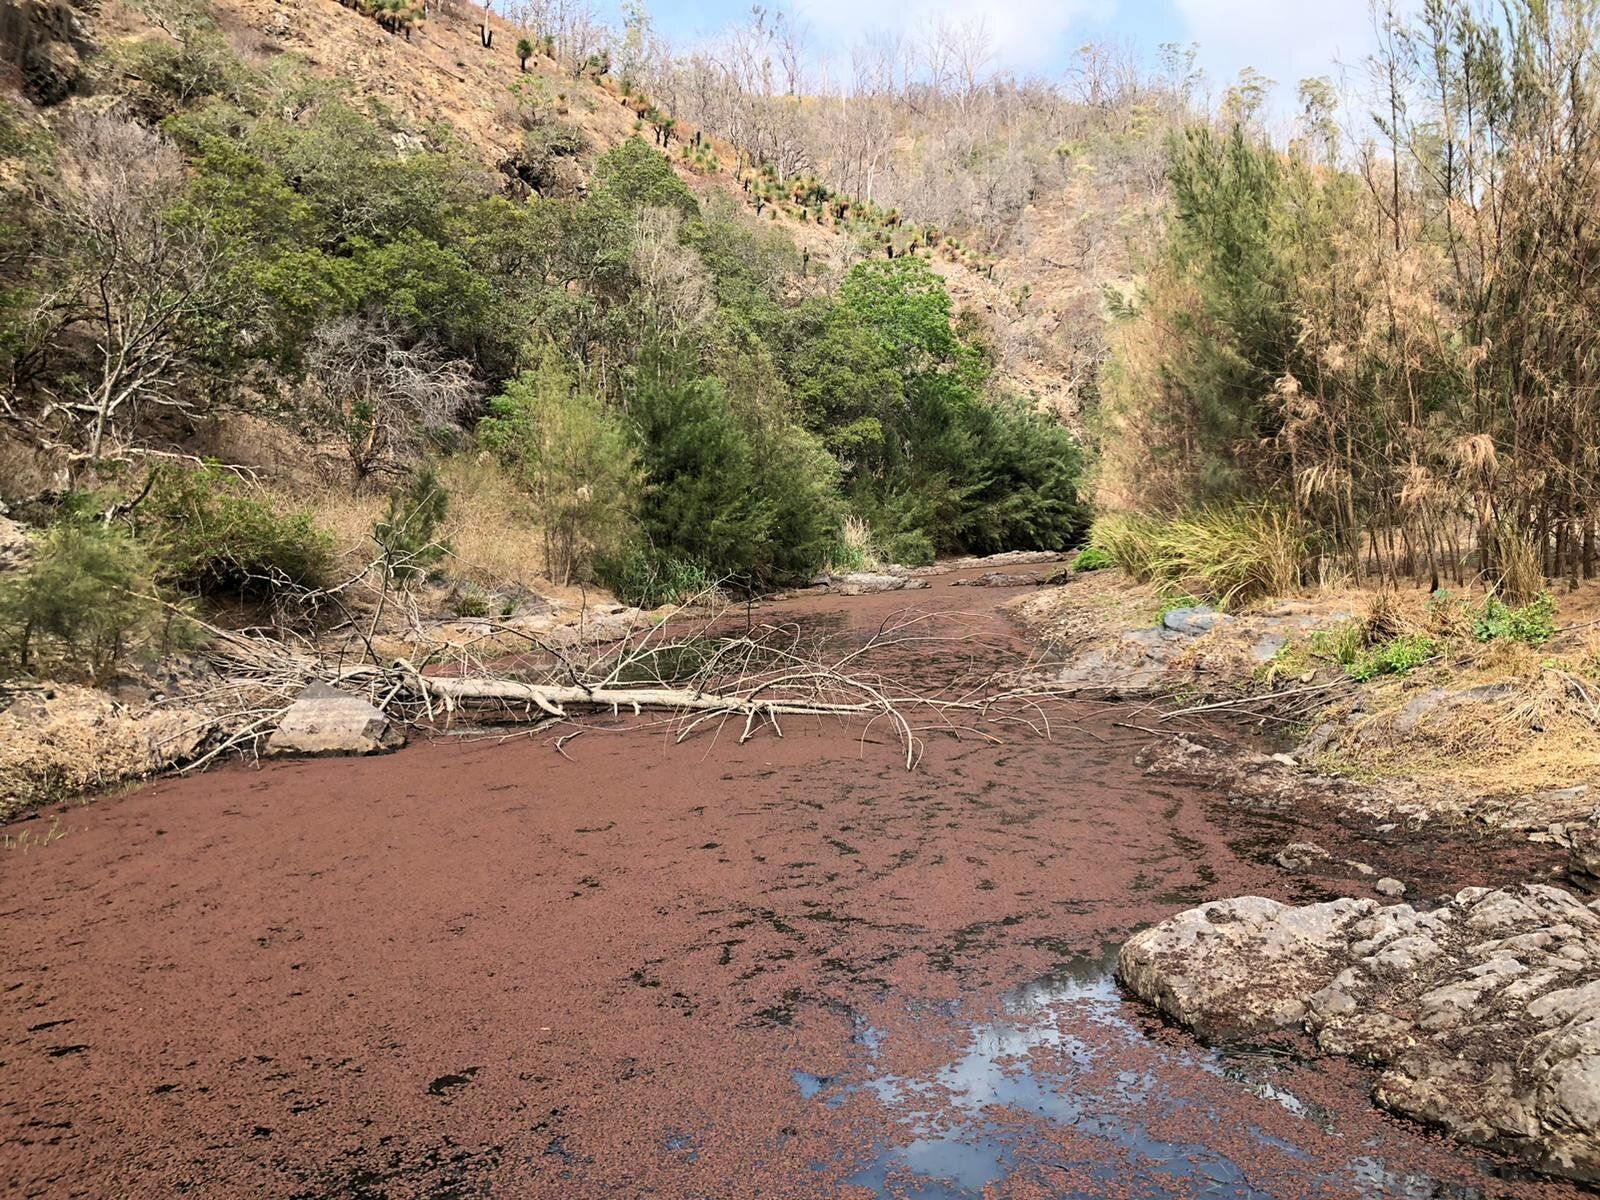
x=789 y=968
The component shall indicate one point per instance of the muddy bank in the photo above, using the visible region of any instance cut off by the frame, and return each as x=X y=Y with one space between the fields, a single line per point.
x=788 y=968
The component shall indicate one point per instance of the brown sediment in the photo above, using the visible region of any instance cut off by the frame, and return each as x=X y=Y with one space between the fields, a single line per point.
x=783 y=968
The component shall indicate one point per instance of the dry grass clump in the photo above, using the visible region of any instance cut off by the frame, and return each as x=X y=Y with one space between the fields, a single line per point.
x=64 y=741
x=494 y=539
x=1230 y=555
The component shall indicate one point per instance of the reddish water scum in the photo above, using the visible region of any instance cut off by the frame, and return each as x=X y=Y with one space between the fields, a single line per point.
x=789 y=968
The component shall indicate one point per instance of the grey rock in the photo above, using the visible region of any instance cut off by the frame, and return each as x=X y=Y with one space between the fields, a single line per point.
x=1004 y=579
x=1317 y=740
x=1194 y=620
x=1483 y=1014
x=1566 y=795
x=869 y=583
x=1419 y=707
x=1390 y=887
x=1241 y=966
x=324 y=720
x=1266 y=648
x=1297 y=856
x=1583 y=857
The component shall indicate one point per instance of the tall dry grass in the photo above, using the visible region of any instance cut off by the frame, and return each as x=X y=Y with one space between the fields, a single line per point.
x=1230 y=555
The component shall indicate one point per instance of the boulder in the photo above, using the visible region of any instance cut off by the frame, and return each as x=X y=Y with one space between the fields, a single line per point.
x=324 y=720
x=867 y=583
x=1237 y=967
x=1483 y=1014
x=1194 y=620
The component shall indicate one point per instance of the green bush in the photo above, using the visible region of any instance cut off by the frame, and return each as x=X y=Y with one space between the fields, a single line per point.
x=1533 y=624
x=649 y=579
x=744 y=494
x=1230 y=554
x=1128 y=540
x=84 y=600
x=912 y=548
x=1397 y=656
x=1092 y=558
x=408 y=533
x=208 y=537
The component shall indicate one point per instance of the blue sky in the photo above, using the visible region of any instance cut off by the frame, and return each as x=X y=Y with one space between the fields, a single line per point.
x=1285 y=39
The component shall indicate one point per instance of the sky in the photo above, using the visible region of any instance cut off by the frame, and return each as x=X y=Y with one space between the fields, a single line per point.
x=1287 y=40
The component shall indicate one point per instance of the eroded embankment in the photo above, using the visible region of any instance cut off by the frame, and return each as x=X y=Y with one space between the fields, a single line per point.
x=783 y=968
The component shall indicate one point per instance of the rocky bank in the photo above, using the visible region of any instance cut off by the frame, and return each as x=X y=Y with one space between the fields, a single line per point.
x=1482 y=1012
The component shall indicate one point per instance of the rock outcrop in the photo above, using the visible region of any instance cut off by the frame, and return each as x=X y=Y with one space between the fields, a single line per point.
x=324 y=720
x=46 y=40
x=1483 y=1013
x=868 y=583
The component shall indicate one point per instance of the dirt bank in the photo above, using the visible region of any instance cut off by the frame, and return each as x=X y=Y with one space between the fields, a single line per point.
x=788 y=968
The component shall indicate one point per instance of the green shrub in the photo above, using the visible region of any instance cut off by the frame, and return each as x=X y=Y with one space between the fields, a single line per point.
x=573 y=459
x=649 y=579
x=84 y=600
x=1128 y=540
x=472 y=605
x=1533 y=624
x=1342 y=645
x=208 y=537
x=745 y=494
x=1397 y=656
x=911 y=548
x=408 y=533
x=1092 y=558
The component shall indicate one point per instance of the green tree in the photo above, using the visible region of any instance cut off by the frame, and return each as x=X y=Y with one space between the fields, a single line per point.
x=572 y=458
x=408 y=533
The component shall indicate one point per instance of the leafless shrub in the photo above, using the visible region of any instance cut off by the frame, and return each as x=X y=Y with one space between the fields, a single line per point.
x=384 y=397
x=132 y=284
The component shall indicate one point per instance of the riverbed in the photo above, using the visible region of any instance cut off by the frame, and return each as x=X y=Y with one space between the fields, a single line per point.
x=625 y=966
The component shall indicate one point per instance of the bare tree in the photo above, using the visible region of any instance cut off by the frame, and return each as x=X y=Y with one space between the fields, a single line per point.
x=383 y=396
x=675 y=295
x=134 y=283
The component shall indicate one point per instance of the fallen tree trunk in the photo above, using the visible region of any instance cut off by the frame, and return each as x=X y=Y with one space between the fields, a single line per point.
x=556 y=700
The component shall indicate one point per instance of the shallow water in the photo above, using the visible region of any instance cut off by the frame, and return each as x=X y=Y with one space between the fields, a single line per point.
x=1043 y=1062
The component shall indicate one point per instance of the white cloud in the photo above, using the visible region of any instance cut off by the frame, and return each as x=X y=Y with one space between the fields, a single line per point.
x=1286 y=40
x=1025 y=35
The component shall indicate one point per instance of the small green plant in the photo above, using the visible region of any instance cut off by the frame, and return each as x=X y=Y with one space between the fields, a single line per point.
x=1533 y=624
x=1093 y=558
x=408 y=534
x=1397 y=656
x=1341 y=645
x=472 y=605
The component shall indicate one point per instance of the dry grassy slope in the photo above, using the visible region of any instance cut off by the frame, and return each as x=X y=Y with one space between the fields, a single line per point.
x=445 y=75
